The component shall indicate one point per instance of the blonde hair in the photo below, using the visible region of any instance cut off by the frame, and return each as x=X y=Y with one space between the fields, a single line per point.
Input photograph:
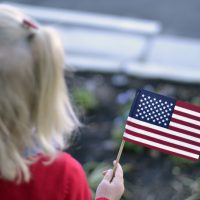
x=35 y=109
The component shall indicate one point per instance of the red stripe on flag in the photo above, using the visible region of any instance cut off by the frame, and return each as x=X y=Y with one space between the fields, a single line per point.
x=188 y=106
x=184 y=131
x=178 y=121
x=149 y=138
x=159 y=149
x=186 y=115
x=145 y=128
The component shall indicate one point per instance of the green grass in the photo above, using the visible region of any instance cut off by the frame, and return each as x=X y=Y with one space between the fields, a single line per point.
x=85 y=99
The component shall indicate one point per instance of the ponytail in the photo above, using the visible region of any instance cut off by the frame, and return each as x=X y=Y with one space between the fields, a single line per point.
x=35 y=109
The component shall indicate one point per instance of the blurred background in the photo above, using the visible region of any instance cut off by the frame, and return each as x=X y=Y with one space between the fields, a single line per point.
x=112 y=48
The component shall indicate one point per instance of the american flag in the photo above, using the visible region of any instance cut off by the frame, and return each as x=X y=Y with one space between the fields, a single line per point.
x=162 y=123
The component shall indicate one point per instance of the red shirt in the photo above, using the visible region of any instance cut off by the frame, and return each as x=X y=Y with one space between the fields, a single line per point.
x=64 y=179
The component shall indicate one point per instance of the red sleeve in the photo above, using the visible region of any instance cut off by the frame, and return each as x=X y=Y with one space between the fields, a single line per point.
x=76 y=183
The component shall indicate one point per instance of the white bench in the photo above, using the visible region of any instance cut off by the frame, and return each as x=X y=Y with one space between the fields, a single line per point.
x=98 y=42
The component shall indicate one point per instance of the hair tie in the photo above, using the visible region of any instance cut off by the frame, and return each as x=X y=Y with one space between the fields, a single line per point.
x=29 y=24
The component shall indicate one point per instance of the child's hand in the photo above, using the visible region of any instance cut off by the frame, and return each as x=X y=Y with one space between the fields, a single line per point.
x=111 y=190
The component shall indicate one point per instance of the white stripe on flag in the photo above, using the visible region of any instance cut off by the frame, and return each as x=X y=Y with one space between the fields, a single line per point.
x=161 y=146
x=177 y=125
x=185 y=110
x=186 y=119
x=165 y=130
x=153 y=135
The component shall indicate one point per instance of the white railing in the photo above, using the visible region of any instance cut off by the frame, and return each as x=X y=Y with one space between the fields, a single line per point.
x=97 y=41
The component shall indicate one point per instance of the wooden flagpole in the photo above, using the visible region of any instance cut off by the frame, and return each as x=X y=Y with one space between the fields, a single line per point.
x=117 y=159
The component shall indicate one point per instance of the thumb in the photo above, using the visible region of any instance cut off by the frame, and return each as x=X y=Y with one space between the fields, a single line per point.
x=119 y=171
x=108 y=175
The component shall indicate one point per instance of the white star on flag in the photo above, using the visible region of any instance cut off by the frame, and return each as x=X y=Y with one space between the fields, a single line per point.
x=162 y=123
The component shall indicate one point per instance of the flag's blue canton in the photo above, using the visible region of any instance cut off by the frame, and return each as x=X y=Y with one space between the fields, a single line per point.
x=152 y=108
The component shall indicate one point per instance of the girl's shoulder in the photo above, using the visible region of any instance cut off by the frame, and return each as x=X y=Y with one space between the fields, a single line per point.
x=65 y=173
x=73 y=169
x=76 y=182
x=70 y=164
x=63 y=163
x=66 y=159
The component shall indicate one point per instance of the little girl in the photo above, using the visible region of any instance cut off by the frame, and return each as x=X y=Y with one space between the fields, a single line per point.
x=36 y=118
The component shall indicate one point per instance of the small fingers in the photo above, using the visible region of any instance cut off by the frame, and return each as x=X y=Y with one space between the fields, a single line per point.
x=108 y=175
x=118 y=176
x=104 y=172
x=118 y=172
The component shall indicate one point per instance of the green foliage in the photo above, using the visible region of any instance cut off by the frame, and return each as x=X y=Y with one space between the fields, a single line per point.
x=124 y=109
x=196 y=101
x=195 y=187
x=85 y=98
x=134 y=148
x=180 y=161
x=194 y=197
